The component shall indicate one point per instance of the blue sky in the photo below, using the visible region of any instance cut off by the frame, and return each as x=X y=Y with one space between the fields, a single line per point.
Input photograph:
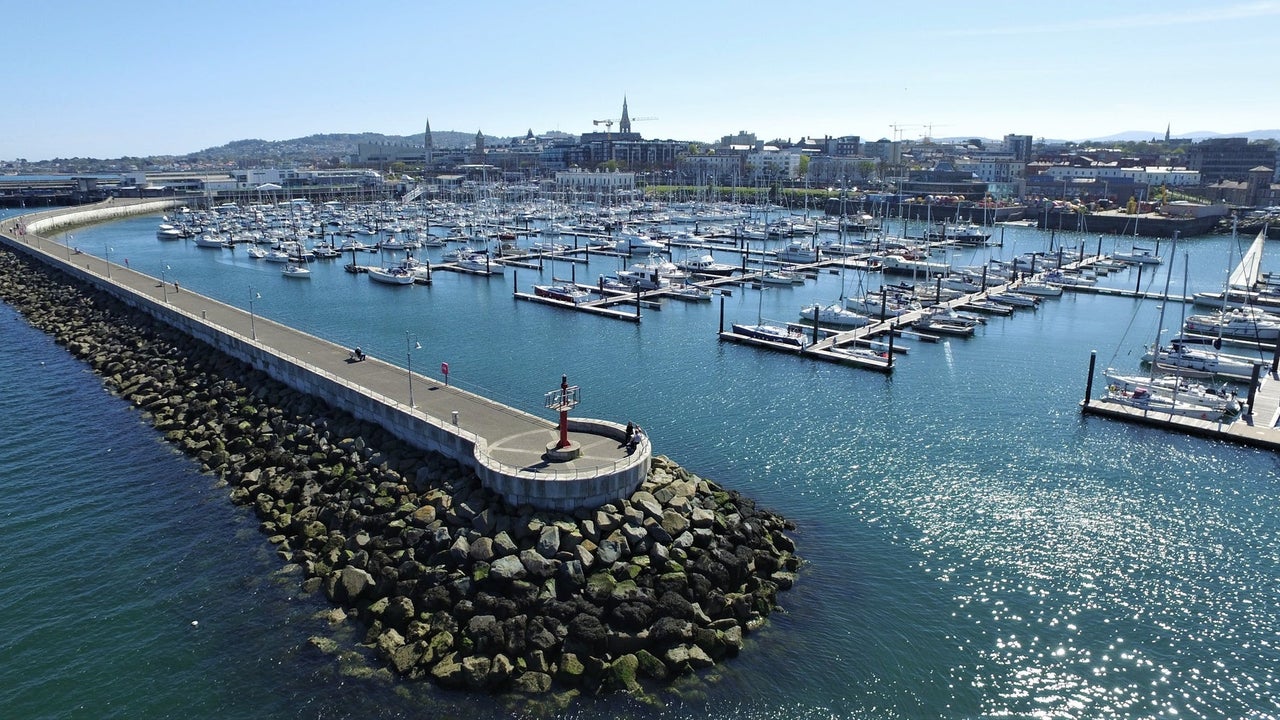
x=107 y=79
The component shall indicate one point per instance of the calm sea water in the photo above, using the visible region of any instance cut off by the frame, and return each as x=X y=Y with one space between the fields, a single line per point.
x=976 y=548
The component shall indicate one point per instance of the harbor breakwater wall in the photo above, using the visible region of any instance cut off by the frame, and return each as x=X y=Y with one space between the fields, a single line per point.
x=447 y=579
x=545 y=489
x=63 y=218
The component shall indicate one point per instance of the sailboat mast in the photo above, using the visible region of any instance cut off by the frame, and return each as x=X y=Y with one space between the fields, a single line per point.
x=1155 y=348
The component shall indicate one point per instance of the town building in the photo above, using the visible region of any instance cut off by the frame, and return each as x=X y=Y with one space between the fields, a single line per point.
x=1229 y=158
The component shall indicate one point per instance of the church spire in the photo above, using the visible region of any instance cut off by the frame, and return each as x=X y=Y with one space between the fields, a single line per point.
x=1166 y=131
x=428 y=146
x=625 y=125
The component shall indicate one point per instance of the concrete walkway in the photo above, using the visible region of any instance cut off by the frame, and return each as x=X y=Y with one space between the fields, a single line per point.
x=515 y=438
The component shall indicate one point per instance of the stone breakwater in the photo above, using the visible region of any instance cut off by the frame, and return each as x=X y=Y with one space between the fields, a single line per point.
x=448 y=581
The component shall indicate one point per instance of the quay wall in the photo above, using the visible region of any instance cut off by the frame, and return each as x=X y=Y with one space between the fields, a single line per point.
x=548 y=490
x=62 y=218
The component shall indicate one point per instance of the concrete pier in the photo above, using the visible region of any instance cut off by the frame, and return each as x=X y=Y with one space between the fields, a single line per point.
x=506 y=447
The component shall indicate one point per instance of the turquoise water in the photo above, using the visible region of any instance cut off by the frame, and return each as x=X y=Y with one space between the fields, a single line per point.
x=976 y=548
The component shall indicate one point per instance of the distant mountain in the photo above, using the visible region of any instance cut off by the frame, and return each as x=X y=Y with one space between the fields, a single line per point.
x=316 y=148
x=1140 y=135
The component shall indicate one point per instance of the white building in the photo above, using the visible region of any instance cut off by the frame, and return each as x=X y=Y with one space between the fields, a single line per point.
x=597 y=186
x=723 y=166
x=1150 y=176
x=595 y=182
x=772 y=164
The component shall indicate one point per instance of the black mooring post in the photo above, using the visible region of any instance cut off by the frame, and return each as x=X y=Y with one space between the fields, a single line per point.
x=1253 y=385
x=1088 y=388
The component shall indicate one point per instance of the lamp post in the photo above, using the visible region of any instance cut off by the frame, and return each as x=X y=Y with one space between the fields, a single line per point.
x=253 y=331
x=409 y=346
x=108 y=256
x=164 y=290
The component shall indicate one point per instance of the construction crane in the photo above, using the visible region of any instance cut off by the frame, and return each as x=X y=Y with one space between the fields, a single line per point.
x=608 y=124
x=928 y=129
x=898 y=128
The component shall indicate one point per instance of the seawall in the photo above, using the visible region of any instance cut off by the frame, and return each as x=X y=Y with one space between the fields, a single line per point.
x=584 y=484
x=450 y=582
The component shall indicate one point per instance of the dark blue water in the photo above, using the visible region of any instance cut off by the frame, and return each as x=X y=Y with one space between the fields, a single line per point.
x=976 y=548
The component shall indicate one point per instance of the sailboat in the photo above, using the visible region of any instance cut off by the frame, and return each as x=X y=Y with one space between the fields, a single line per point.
x=1242 y=281
x=1166 y=394
x=835 y=314
x=770 y=332
x=1175 y=387
x=1208 y=359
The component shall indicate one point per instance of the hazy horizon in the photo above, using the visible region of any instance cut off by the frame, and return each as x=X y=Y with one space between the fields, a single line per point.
x=127 y=80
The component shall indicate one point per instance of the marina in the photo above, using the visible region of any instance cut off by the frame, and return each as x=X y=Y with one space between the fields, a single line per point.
x=928 y=500
x=831 y=333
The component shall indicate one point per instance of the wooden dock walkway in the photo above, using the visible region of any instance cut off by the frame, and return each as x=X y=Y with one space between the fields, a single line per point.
x=1257 y=428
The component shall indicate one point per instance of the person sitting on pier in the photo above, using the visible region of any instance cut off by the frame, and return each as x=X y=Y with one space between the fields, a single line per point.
x=357 y=355
x=634 y=442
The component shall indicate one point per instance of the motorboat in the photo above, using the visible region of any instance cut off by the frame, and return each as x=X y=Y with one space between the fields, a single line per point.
x=908 y=263
x=1208 y=361
x=1016 y=299
x=798 y=251
x=212 y=240
x=882 y=304
x=942 y=322
x=1139 y=256
x=840 y=247
x=1238 y=324
x=562 y=292
x=962 y=234
x=298 y=272
x=834 y=315
x=1057 y=277
x=782 y=276
x=706 y=264
x=653 y=274
x=773 y=334
x=325 y=250
x=479 y=264
x=691 y=293
x=1039 y=289
x=633 y=243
